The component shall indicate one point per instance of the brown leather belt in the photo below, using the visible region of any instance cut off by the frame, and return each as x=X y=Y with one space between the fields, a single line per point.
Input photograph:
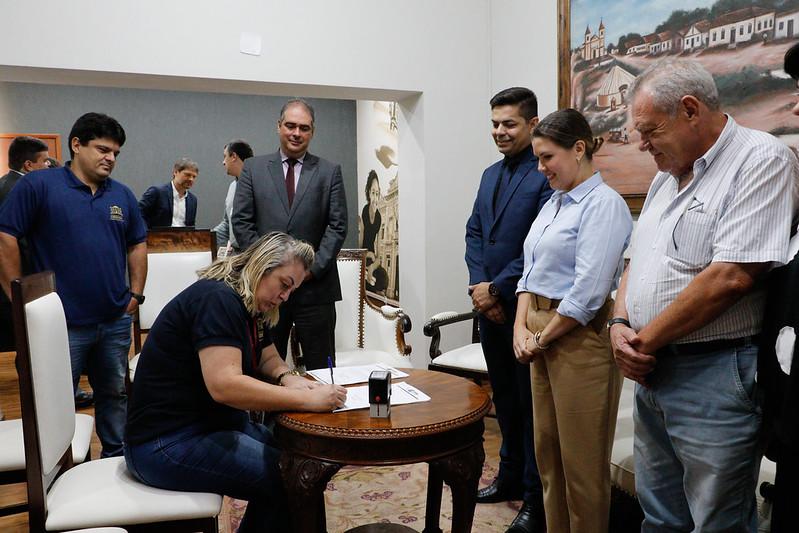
x=542 y=303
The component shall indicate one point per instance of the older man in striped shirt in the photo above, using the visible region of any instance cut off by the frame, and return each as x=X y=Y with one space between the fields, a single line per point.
x=717 y=217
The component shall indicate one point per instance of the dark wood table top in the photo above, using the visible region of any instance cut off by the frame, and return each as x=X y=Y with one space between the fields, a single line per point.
x=415 y=432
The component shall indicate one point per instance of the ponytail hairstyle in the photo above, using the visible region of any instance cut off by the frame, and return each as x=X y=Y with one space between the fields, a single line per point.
x=243 y=272
x=567 y=126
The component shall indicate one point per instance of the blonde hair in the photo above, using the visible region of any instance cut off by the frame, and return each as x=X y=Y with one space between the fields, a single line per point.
x=243 y=272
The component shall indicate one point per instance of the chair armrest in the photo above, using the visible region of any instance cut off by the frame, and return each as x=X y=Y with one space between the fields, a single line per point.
x=432 y=327
x=384 y=329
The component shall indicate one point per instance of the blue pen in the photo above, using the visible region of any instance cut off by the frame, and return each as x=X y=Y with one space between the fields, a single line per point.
x=330 y=366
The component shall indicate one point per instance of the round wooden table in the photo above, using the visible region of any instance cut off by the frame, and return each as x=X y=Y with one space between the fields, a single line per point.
x=446 y=432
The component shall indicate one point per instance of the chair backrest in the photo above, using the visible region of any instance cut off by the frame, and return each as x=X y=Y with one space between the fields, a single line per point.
x=46 y=395
x=349 y=311
x=174 y=255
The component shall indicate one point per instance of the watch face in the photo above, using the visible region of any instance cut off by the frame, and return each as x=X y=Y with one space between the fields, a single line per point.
x=493 y=290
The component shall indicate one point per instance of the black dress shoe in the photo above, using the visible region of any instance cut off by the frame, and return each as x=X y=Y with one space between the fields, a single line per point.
x=83 y=399
x=530 y=519
x=499 y=492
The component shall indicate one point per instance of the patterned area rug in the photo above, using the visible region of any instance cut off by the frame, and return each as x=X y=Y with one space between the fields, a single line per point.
x=363 y=495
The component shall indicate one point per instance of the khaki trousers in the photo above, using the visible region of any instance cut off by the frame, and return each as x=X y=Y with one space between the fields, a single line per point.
x=576 y=388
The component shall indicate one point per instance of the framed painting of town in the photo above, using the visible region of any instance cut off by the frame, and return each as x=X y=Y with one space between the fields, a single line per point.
x=605 y=44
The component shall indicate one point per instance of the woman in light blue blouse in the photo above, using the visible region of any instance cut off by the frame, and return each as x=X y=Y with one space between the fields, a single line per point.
x=573 y=260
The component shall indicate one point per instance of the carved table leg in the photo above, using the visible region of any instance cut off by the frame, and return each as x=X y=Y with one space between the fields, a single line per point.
x=462 y=473
x=435 y=483
x=305 y=480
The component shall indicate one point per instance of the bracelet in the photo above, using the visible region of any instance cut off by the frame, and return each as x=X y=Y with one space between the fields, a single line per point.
x=537 y=342
x=292 y=372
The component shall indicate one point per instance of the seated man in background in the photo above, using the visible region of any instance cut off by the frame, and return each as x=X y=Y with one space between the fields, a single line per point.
x=172 y=204
x=235 y=152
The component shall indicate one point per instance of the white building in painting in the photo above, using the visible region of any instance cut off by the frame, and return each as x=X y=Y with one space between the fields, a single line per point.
x=741 y=26
x=696 y=36
x=787 y=24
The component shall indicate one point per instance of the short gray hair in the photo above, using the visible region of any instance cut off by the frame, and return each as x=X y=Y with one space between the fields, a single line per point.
x=183 y=163
x=670 y=79
x=297 y=102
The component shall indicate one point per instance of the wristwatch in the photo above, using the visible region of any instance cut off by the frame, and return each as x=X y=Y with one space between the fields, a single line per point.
x=619 y=320
x=493 y=290
x=138 y=297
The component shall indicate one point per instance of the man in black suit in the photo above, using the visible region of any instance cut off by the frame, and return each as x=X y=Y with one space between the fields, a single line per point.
x=25 y=154
x=301 y=194
x=172 y=204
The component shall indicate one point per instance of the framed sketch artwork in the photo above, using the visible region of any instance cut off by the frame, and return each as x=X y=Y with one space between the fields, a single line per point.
x=603 y=45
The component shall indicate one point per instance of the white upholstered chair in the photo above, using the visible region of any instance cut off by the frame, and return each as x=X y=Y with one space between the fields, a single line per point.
x=99 y=493
x=468 y=360
x=365 y=333
x=174 y=255
x=12 y=452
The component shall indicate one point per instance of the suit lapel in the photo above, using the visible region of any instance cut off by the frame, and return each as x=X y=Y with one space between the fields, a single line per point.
x=488 y=198
x=307 y=175
x=510 y=190
x=170 y=204
x=275 y=168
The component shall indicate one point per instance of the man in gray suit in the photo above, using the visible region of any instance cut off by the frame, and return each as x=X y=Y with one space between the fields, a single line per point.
x=301 y=194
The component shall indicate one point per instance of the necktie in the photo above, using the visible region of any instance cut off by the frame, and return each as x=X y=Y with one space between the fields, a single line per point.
x=290 y=179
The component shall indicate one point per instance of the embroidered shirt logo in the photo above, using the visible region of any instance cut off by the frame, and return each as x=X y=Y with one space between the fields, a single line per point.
x=116 y=213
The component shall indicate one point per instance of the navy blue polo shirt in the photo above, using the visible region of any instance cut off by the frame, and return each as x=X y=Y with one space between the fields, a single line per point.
x=83 y=238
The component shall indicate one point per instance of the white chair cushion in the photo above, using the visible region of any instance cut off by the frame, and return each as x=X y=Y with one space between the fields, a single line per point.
x=12 y=448
x=102 y=492
x=469 y=357
x=622 y=465
x=367 y=357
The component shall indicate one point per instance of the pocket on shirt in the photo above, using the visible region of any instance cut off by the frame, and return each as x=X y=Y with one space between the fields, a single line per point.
x=691 y=241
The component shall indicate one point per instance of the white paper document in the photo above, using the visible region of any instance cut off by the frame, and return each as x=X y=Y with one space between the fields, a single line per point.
x=348 y=375
x=401 y=393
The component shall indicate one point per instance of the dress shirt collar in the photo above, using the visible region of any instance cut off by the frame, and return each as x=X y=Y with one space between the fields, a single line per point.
x=17 y=171
x=581 y=191
x=284 y=157
x=701 y=164
x=513 y=161
x=176 y=193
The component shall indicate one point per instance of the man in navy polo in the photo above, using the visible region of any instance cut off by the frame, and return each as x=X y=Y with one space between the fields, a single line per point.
x=85 y=227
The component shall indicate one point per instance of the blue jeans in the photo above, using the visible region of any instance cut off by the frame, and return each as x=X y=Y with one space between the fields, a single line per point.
x=103 y=350
x=697 y=447
x=240 y=462
x=513 y=402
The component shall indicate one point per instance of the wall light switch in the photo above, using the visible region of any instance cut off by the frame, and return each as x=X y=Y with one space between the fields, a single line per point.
x=250 y=43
